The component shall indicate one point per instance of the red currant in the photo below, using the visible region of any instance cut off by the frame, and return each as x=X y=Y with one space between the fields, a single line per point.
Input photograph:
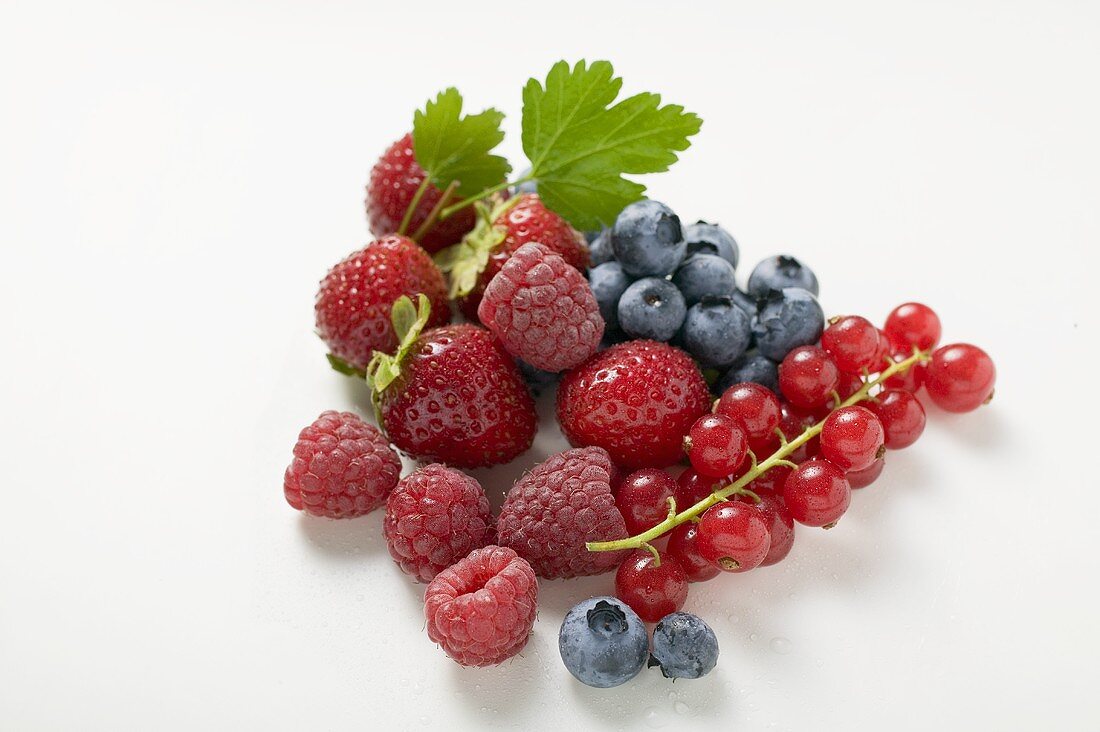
x=642 y=498
x=780 y=526
x=808 y=377
x=817 y=493
x=716 y=445
x=692 y=488
x=683 y=546
x=913 y=324
x=848 y=385
x=867 y=476
x=756 y=409
x=733 y=536
x=882 y=355
x=960 y=377
x=851 y=438
x=901 y=415
x=794 y=422
x=852 y=342
x=651 y=589
x=910 y=380
x=771 y=481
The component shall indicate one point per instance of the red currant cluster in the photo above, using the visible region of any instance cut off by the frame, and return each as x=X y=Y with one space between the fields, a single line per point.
x=844 y=403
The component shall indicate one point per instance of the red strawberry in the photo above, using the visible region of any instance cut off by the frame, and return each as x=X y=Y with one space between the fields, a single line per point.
x=636 y=400
x=451 y=394
x=357 y=295
x=393 y=183
x=498 y=234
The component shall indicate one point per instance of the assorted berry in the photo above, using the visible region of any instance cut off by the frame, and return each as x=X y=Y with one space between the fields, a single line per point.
x=806 y=410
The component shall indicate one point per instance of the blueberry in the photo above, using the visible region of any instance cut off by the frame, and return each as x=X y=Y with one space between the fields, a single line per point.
x=704 y=238
x=608 y=281
x=716 y=331
x=603 y=642
x=744 y=301
x=599 y=249
x=780 y=272
x=647 y=239
x=755 y=368
x=652 y=308
x=536 y=379
x=787 y=319
x=684 y=647
x=704 y=274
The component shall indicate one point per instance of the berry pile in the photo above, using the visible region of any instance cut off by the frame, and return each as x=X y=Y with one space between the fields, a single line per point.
x=645 y=326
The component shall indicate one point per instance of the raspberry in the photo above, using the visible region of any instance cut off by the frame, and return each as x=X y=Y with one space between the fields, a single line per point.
x=481 y=610
x=562 y=503
x=543 y=310
x=342 y=467
x=435 y=517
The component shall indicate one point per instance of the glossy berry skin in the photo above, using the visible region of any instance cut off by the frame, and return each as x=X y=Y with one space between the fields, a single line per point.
x=867 y=476
x=960 y=377
x=692 y=488
x=808 y=377
x=460 y=400
x=642 y=499
x=780 y=526
x=901 y=415
x=704 y=238
x=750 y=367
x=744 y=301
x=817 y=493
x=794 y=421
x=785 y=320
x=608 y=283
x=716 y=445
x=913 y=324
x=756 y=409
x=647 y=239
x=912 y=379
x=636 y=400
x=716 y=332
x=393 y=183
x=853 y=343
x=733 y=536
x=852 y=438
x=683 y=546
x=650 y=589
x=652 y=308
x=705 y=274
x=599 y=248
x=356 y=297
x=779 y=273
x=525 y=222
x=684 y=647
x=603 y=642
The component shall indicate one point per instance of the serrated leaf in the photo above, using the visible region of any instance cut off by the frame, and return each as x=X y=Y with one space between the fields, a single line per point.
x=580 y=147
x=456 y=148
x=341 y=366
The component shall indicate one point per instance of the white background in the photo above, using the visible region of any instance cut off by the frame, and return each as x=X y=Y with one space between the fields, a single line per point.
x=176 y=177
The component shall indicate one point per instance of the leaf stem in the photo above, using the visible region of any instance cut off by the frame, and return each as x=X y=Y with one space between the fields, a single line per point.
x=407 y=218
x=455 y=208
x=739 y=486
x=433 y=215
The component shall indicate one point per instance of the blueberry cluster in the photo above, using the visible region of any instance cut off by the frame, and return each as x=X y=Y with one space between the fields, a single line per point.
x=654 y=278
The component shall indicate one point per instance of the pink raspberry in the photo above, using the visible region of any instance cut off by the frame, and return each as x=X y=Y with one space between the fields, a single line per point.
x=481 y=610
x=435 y=517
x=342 y=467
x=542 y=309
x=562 y=503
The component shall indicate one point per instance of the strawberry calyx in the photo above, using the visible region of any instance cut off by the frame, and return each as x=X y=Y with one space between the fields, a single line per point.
x=464 y=262
x=408 y=321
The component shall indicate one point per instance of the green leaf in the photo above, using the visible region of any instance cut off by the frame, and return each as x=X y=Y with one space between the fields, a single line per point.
x=580 y=146
x=341 y=366
x=408 y=321
x=452 y=147
x=465 y=261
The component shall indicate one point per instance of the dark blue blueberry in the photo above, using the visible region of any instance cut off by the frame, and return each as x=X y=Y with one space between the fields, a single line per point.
x=536 y=379
x=603 y=642
x=787 y=319
x=652 y=308
x=716 y=332
x=704 y=238
x=705 y=274
x=744 y=301
x=684 y=647
x=599 y=249
x=608 y=282
x=529 y=186
x=755 y=368
x=777 y=273
x=647 y=239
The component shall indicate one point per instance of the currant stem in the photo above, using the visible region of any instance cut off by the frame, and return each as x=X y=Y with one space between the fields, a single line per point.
x=407 y=218
x=738 y=487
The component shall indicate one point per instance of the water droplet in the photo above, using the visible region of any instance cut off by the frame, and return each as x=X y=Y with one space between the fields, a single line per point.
x=681 y=708
x=752 y=636
x=780 y=645
x=425 y=721
x=655 y=717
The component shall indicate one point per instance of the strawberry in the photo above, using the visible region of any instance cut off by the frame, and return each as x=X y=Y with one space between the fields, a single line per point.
x=450 y=394
x=499 y=232
x=356 y=297
x=393 y=183
x=636 y=400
